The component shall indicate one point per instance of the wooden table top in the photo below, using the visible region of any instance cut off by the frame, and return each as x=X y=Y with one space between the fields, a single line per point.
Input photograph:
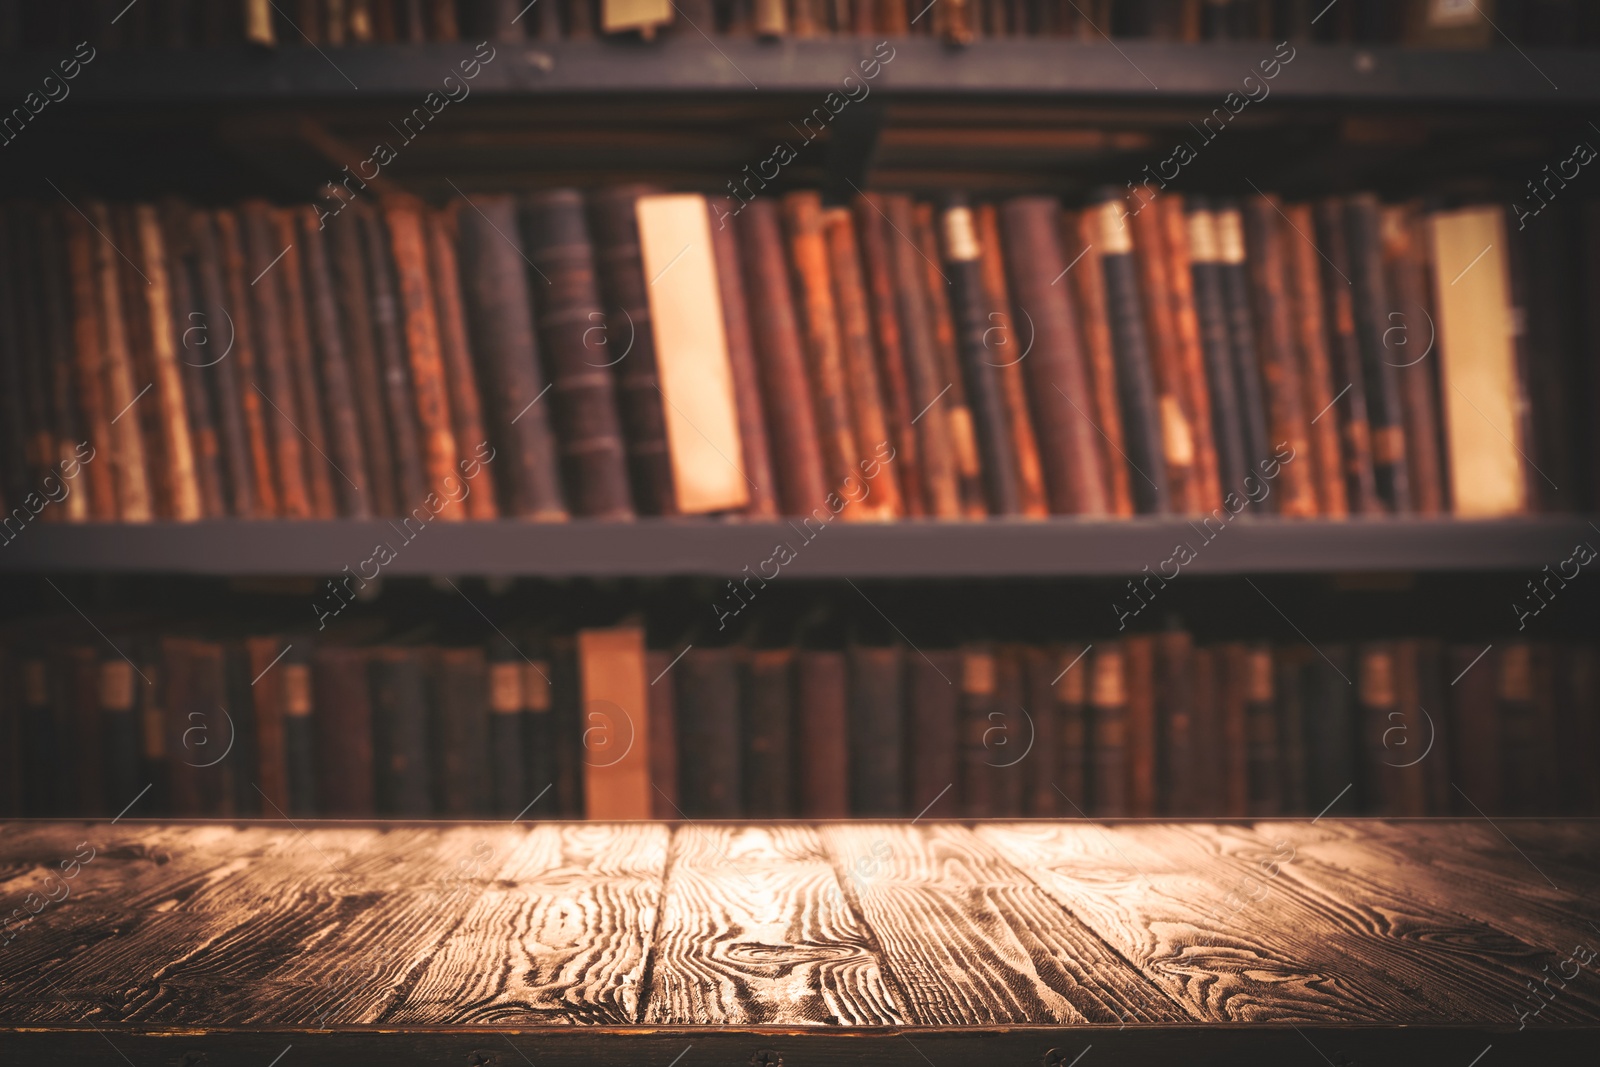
x=942 y=944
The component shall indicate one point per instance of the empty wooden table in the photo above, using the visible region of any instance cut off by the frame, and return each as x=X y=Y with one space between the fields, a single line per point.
x=944 y=944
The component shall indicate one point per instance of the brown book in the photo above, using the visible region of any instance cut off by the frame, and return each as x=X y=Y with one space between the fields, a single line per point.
x=981 y=721
x=576 y=339
x=1073 y=669
x=135 y=286
x=808 y=257
x=209 y=342
x=275 y=386
x=1233 y=691
x=1371 y=303
x=1056 y=366
x=1262 y=753
x=876 y=729
x=614 y=224
x=1250 y=399
x=933 y=735
x=871 y=422
x=303 y=366
x=348 y=258
x=269 y=701
x=1409 y=787
x=1080 y=241
x=466 y=406
x=60 y=358
x=696 y=386
x=1139 y=657
x=460 y=732
x=767 y=702
x=247 y=373
x=963 y=433
x=1196 y=395
x=389 y=337
x=879 y=270
x=1175 y=724
x=1013 y=731
x=821 y=702
x=404 y=219
x=125 y=451
x=1107 y=734
x=936 y=439
x=177 y=444
x=1361 y=491
x=791 y=421
x=1166 y=357
x=740 y=335
x=893 y=18
x=1406 y=268
x=88 y=360
x=616 y=724
x=1474 y=730
x=1316 y=378
x=663 y=738
x=499 y=313
x=709 y=747
x=1205 y=702
x=258 y=28
x=1205 y=272
x=1287 y=421
x=1013 y=386
x=1039 y=767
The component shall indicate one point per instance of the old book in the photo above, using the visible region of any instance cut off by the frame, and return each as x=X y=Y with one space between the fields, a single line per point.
x=1106 y=736
x=503 y=686
x=1391 y=730
x=60 y=358
x=822 y=695
x=1292 y=723
x=580 y=19
x=1136 y=386
x=1545 y=274
x=1316 y=377
x=880 y=497
x=770 y=18
x=791 y=421
x=269 y=703
x=1527 y=743
x=1361 y=490
x=19 y=465
x=615 y=225
x=1166 y=358
x=663 y=738
x=978 y=713
x=348 y=256
x=1057 y=366
x=303 y=367
x=1243 y=339
x=1477 y=362
x=739 y=332
x=870 y=224
x=986 y=401
x=932 y=759
x=209 y=342
x=1142 y=727
x=1233 y=712
x=126 y=451
x=1038 y=767
x=199 y=728
x=402 y=757
x=177 y=447
x=1406 y=269
x=124 y=233
x=696 y=381
x=346 y=449
x=1080 y=240
x=1263 y=756
x=275 y=383
x=389 y=342
x=1371 y=302
x=1473 y=730
x=1287 y=421
x=1072 y=668
x=876 y=726
x=460 y=729
x=964 y=437
x=711 y=782
x=616 y=734
x=1176 y=749
x=1328 y=693
x=119 y=741
x=540 y=736
x=42 y=787
x=1173 y=235
x=1205 y=269
x=578 y=356
x=1011 y=735
x=299 y=732
x=768 y=707
x=247 y=361
x=460 y=379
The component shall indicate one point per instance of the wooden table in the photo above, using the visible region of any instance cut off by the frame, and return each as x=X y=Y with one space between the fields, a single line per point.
x=1350 y=942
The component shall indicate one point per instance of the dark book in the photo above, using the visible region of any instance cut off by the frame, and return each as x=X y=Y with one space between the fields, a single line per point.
x=1326 y=685
x=822 y=697
x=1173 y=234
x=59 y=358
x=1243 y=339
x=1371 y=303
x=1038 y=766
x=663 y=738
x=1316 y=376
x=1526 y=740
x=1549 y=258
x=942 y=328
x=200 y=729
x=876 y=728
x=268 y=699
x=1011 y=735
x=1143 y=737
x=978 y=715
x=1577 y=687
x=44 y=788
x=576 y=339
x=1106 y=736
x=710 y=783
x=460 y=733
x=933 y=734
x=890 y=346
x=1406 y=274
x=1288 y=669
x=343 y=728
x=768 y=726
x=19 y=466
x=1233 y=705
x=398 y=676
x=1477 y=744
x=247 y=377
x=347 y=251
x=1080 y=239
x=754 y=443
x=565 y=727
x=120 y=726
x=126 y=446
x=280 y=413
x=1071 y=759
x=1227 y=426
x=1175 y=417
x=177 y=455
x=1205 y=701
x=389 y=337
x=303 y=367
x=1176 y=750
x=503 y=677
x=640 y=400
x=542 y=736
x=299 y=732
x=1263 y=751
x=1361 y=491
x=1406 y=782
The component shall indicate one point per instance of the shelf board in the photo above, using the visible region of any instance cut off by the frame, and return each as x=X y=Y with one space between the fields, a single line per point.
x=1132 y=71
x=992 y=549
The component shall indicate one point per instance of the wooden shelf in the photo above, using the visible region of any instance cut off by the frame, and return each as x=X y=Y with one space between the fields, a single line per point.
x=1042 y=70
x=904 y=550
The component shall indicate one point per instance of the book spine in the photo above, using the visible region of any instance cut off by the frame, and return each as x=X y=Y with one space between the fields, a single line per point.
x=737 y=327
x=822 y=697
x=1360 y=488
x=1371 y=304
x=638 y=384
x=711 y=779
x=366 y=375
x=246 y=392
x=769 y=691
x=616 y=723
x=933 y=734
x=399 y=681
x=1072 y=669
x=1173 y=236
x=1292 y=725
x=978 y=685
x=1166 y=359
x=1040 y=766
x=299 y=733
x=1008 y=775
x=460 y=732
x=969 y=466
x=791 y=421
x=962 y=259
x=303 y=367
x=1142 y=738
x=503 y=678
x=1081 y=237
x=1524 y=762
x=1249 y=396
x=539 y=733
x=576 y=336
x=1107 y=734
x=177 y=445
x=343 y=727
x=663 y=738
x=119 y=732
x=1175 y=724
x=60 y=359
x=216 y=334
x=1406 y=270
x=281 y=415
x=1305 y=289
x=1263 y=754
x=126 y=451
x=268 y=703
x=1210 y=307
x=879 y=269
x=877 y=775
x=466 y=405
x=1475 y=730
x=390 y=325
x=1234 y=710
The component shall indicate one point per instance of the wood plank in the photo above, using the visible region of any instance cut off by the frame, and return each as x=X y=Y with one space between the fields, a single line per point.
x=755 y=930
x=967 y=940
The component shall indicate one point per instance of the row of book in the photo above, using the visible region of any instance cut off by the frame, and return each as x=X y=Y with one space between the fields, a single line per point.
x=191 y=23
x=760 y=355
x=593 y=724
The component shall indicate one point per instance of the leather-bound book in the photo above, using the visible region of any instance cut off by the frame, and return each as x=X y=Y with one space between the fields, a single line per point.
x=937 y=449
x=1136 y=386
x=430 y=394
x=125 y=447
x=711 y=784
x=348 y=258
x=1578 y=755
x=1263 y=760
x=808 y=257
x=695 y=390
x=971 y=310
x=1293 y=754
x=768 y=713
x=1080 y=247
x=1477 y=746
x=616 y=723
x=268 y=702
x=1206 y=708
x=933 y=734
x=871 y=226
x=977 y=713
x=540 y=736
x=177 y=445
x=580 y=19
x=275 y=387
x=1071 y=674
x=258 y=28
x=1376 y=789
x=739 y=331
x=663 y=738
x=1316 y=376
x=791 y=421
x=1143 y=738
x=1478 y=363
x=87 y=378
x=1173 y=235
x=118 y=693
x=1013 y=383
x=1287 y=421
x=211 y=332
x=389 y=342
x=1330 y=726
x=1166 y=358
x=385 y=21
x=37 y=742
x=27 y=443
x=197 y=732
x=60 y=358
x=1227 y=426
x=402 y=758
x=1233 y=716
x=303 y=366
x=78 y=717
x=626 y=291
x=496 y=290
x=460 y=729
x=876 y=729
x=1406 y=275
x=576 y=339
x=124 y=233
x=1249 y=394
x=1056 y=367
x=503 y=678
x=1413 y=787
x=964 y=436
x=299 y=733
x=1361 y=491
x=1008 y=771
x=808 y=19
x=246 y=358
x=1371 y=303
x=1038 y=768
x=443 y=22
x=822 y=699
x=1546 y=273
x=1106 y=737
x=1176 y=749
x=1526 y=741
x=343 y=731
x=346 y=450
x=871 y=421
x=460 y=379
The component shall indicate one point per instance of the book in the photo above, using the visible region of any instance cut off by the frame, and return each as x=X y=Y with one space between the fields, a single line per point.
x=274 y=385
x=1361 y=490
x=1106 y=740
x=303 y=369
x=933 y=733
x=466 y=403
x=616 y=724
x=711 y=778
x=507 y=709
x=822 y=695
x=942 y=329
x=889 y=343
x=127 y=452
x=402 y=764
x=768 y=703
x=243 y=392
x=876 y=725
x=1176 y=417
x=460 y=732
x=1173 y=235
x=177 y=447
x=1371 y=301
x=389 y=330
x=978 y=718
x=1262 y=749
x=1310 y=334
x=754 y=444
x=1406 y=268
x=1140 y=723
x=1233 y=272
